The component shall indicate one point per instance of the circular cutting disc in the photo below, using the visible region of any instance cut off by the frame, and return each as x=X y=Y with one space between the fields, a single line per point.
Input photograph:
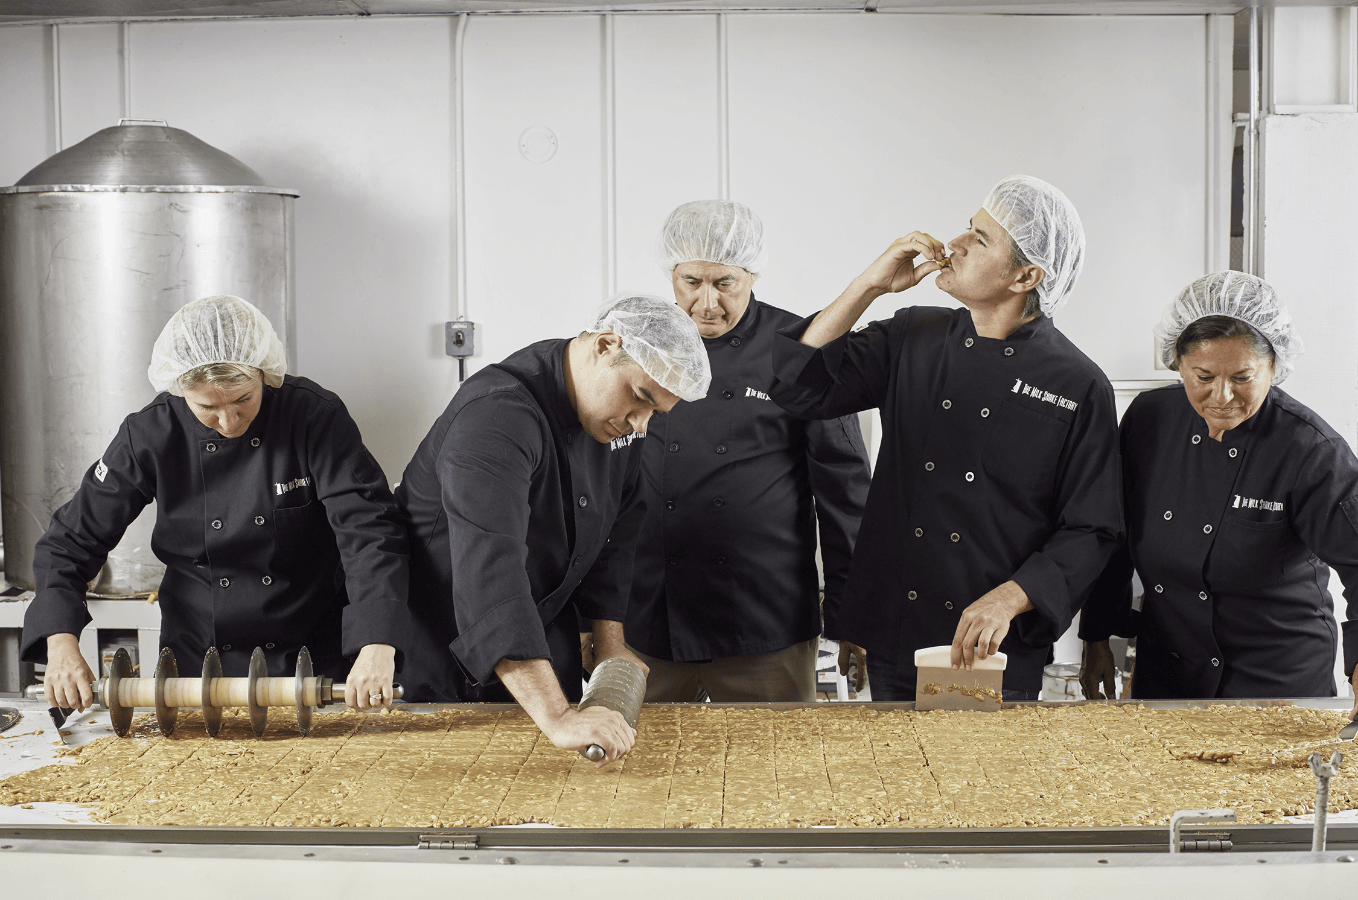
x=303 y=676
x=120 y=715
x=259 y=715
x=165 y=714
x=212 y=669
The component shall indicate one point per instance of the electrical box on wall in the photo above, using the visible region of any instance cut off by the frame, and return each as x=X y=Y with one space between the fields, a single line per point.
x=459 y=342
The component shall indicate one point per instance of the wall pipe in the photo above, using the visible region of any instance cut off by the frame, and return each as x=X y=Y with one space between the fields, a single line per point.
x=459 y=173
x=125 y=38
x=723 y=112
x=56 y=89
x=1250 y=257
x=610 y=174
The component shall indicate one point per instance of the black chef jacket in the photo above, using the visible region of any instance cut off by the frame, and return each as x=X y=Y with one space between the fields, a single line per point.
x=726 y=565
x=514 y=510
x=998 y=461
x=284 y=537
x=1231 y=539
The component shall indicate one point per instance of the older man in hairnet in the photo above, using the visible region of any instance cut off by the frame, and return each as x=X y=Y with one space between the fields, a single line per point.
x=524 y=504
x=725 y=595
x=996 y=499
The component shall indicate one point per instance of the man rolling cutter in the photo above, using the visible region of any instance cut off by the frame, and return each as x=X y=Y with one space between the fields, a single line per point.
x=725 y=596
x=996 y=498
x=524 y=507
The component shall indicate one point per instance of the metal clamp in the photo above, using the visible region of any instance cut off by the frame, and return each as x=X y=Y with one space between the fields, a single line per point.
x=1324 y=772
x=1196 y=817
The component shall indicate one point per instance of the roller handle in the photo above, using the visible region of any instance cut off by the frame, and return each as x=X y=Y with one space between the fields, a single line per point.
x=337 y=692
x=593 y=753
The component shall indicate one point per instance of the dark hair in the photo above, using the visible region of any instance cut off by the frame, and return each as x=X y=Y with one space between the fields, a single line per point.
x=1032 y=305
x=1215 y=328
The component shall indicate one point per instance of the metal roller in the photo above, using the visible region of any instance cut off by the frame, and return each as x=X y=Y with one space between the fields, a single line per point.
x=617 y=684
x=120 y=693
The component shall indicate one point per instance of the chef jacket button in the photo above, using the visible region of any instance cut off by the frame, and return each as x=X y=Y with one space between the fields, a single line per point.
x=718 y=502
x=1233 y=452
x=674 y=448
x=970 y=342
x=971 y=476
x=268 y=580
x=1159 y=589
x=211 y=448
x=1197 y=438
x=947 y=404
x=1173 y=654
x=1168 y=515
x=984 y=413
x=1202 y=595
x=669 y=504
x=726 y=394
x=735 y=342
x=947 y=605
x=1008 y=351
x=584 y=501
x=674 y=560
x=928 y=467
x=721 y=560
x=225 y=582
x=576 y=561
x=217 y=523
x=259 y=520
x=919 y=532
x=912 y=595
x=254 y=442
x=226 y=646
x=955 y=537
x=721 y=448
x=1215 y=661
x=1207 y=529
x=269 y=646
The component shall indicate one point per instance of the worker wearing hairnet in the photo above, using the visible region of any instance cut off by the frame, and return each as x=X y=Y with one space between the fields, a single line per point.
x=725 y=592
x=1238 y=498
x=274 y=522
x=524 y=504
x=995 y=501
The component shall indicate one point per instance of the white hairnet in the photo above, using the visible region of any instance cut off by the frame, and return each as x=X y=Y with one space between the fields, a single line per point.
x=1046 y=227
x=1238 y=296
x=716 y=231
x=664 y=342
x=220 y=329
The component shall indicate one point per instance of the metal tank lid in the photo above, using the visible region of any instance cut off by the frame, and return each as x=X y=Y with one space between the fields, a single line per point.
x=147 y=156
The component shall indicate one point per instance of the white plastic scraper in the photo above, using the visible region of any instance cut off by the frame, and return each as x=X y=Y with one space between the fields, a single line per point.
x=939 y=686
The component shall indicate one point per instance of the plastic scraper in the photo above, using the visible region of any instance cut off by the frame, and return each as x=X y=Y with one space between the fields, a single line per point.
x=939 y=686
x=617 y=684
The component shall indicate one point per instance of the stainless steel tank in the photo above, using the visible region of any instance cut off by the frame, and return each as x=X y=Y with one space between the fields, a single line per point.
x=99 y=245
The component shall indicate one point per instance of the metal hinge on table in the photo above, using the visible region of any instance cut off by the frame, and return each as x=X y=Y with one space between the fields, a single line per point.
x=1204 y=841
x=442 y=841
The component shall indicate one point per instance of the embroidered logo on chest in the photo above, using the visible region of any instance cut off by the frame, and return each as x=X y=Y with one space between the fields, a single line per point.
x=751 y=392
x=625 y=441
x=284 y=487
x=1027 y=390
x=1252 y=503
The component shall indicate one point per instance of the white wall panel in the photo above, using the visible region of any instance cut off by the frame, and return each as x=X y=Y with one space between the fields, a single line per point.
x=667 y=153
x=534 y=229
x=356 y=114
x=850 y=131
x=91 y=80
x=25 y=100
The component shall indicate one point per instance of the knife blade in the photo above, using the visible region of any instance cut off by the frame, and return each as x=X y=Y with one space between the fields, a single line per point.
x=1349 y=731
x=59 y=715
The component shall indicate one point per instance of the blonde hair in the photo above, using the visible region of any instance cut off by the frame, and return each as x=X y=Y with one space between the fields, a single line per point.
x=225 y=375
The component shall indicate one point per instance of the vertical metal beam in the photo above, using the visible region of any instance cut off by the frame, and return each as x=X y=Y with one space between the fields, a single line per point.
x=55 y=31
x=723 y=111
x=459 y=171
x=1220 y=140
x=125 y=36
x=609 y=160
x=1250 y=257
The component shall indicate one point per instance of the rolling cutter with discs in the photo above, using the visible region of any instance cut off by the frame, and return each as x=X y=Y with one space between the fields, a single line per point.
x=167 y=693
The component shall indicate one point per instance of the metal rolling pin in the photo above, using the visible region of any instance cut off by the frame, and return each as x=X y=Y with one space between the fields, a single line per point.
x=617 y=684
x=120 y=693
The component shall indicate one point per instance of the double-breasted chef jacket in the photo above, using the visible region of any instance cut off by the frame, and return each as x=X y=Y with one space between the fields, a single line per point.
x=735 y=488
x=519 y=522
x=1231 y=539
x=284 y=537
x=998 y=461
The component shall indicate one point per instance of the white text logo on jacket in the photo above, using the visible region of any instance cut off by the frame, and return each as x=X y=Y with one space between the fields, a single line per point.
x=1251 y=503
x=1027 y=390
x=625 y=441
x=100 y=470
x=284 y=487
x=751 y=392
